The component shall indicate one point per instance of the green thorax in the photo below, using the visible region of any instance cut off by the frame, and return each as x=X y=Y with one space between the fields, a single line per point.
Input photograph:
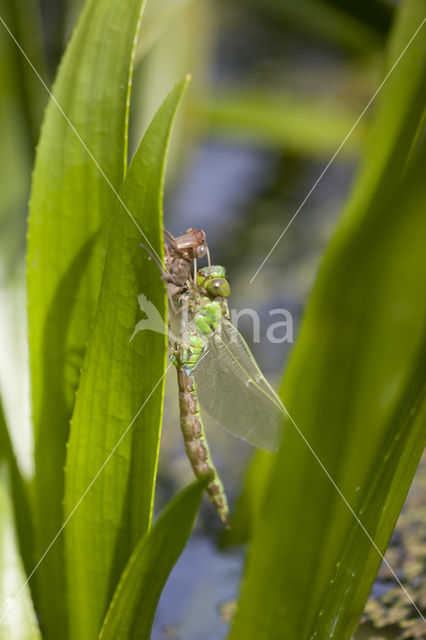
x=208 y=305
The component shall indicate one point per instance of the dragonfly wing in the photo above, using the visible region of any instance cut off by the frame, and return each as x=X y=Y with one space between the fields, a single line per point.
x=235 y=350
x=235 y=393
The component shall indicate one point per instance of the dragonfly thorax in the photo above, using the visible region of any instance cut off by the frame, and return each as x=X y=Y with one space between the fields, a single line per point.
x=208 y=317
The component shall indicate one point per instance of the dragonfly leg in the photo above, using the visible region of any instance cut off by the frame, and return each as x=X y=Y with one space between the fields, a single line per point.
x=171 y=239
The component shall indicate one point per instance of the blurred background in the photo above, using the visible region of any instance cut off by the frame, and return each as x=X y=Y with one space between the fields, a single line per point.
x=276 y=87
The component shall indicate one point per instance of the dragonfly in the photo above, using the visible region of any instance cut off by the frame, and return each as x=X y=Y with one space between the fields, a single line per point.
x=217 y=373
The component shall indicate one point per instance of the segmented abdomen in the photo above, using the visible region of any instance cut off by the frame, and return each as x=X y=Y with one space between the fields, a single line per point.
x=186 y=357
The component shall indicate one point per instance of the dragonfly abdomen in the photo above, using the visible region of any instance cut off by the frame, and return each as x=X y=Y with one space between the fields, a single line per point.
x=196 y=446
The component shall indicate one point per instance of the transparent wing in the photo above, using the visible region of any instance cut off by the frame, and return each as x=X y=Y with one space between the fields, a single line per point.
x=233 y=390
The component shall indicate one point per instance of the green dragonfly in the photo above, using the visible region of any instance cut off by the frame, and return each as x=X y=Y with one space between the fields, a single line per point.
x=217 y=372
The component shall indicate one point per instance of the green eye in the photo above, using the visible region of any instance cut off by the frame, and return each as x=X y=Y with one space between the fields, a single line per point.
x=218 y=287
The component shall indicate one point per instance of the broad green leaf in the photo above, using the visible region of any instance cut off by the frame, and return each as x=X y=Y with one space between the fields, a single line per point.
x=17 y=617
x=20 y=498
x=22 y=29
x=119 y=400
x=357 y=344
x=71 y=200
x=16 y=152
x=300 y=124
x=390 y=480
x=132 y=609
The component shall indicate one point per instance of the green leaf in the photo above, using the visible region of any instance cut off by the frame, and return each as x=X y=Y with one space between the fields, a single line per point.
x=17 y=617
x=357 y=345
x=15 y=145
x=132 y=610
x=300 y=124
x=71 y=200
x=20 y=498
x=22 y=23
x=119 y=399
x=390 y=480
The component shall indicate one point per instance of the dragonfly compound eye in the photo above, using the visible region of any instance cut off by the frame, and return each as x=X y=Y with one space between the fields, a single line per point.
x=218 y=287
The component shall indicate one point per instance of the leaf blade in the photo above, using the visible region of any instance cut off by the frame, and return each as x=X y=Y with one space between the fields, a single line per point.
x=302 y=125
x=70 y=201
x=392 y=475
x=20 y=498
x=117 y=418
x=17 y=616
x=348 y=368
x=132 y=610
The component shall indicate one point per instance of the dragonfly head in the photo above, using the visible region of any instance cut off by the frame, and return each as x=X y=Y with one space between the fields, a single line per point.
x=212 y=280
